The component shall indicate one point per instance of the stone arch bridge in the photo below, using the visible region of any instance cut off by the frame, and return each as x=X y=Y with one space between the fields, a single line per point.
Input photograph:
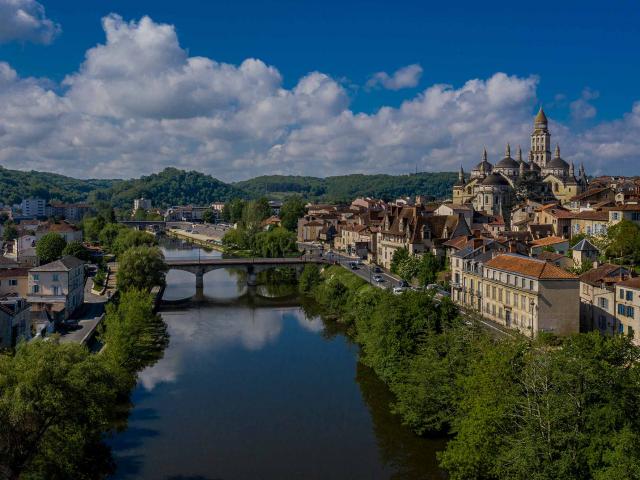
x=200 y=267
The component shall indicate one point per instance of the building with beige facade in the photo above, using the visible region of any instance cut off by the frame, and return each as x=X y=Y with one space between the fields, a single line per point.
x=628 y=308
x=598 y=298
x=57 y=288
x=519 y=292
x=14 y=281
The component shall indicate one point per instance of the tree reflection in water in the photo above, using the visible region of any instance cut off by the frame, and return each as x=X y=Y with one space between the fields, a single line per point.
x=410 y=456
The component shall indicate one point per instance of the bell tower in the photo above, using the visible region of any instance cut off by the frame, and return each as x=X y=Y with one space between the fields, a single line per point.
x=541 y=140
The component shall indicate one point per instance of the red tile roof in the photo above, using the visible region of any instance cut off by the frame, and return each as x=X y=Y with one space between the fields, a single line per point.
x=529 y=267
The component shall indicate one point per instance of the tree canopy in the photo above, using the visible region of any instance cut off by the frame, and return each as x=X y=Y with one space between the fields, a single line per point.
x=141 y=268
x=50 y=247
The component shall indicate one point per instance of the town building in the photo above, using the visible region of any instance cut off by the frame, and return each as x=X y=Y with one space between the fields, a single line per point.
x=33 y=208
x=141 y=204
x=15 y=320
x=14 y=281
x=584 y=252
x=628 y=308
x=598 y=298
x=72 y=212
x=516 y=291
x=57 y=288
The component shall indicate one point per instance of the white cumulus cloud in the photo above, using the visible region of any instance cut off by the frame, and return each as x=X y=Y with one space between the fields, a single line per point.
x=139 y=103
x=25 y=20
x=405 y=77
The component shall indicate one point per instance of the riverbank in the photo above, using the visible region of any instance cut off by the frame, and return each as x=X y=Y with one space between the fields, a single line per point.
x=453 y=379
x=200 y=239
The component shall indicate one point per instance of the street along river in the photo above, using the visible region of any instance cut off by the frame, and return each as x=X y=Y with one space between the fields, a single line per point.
x=252 y=387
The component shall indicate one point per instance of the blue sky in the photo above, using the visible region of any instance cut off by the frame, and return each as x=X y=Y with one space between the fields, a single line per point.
x=583 y=57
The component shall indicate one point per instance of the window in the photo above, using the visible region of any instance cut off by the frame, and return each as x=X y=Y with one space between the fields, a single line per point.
x=36 y=276
x=620 y=328
x=36 y=288
x=621 y=294
x=620 y=309
x=630 y=331
x=629 y=295
x=13 y=282
x=603 y=303
x=630 y=312
x=56 y=290
x=56 y=277
x=602 y=322
x=530 y=284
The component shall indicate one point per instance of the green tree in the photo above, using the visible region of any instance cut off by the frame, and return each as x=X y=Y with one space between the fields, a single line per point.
x=399 y=256
x=309 y=278
x=232 y=211
x=208 y=216
x=109 y=234
x=428 y=269
x=274 y=243
x=292 y=209
x=55 y=402
x=91 y=228
x=141 y=268
x=624 y=242
x=10 y=232
x=76 y=249
x=235 y=239
x=408 y=268
x=129 y=238
x=50 y=247
x=135 y=336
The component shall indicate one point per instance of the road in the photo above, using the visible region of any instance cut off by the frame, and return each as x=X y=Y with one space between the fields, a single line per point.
x=87 y=317
x=366 y=272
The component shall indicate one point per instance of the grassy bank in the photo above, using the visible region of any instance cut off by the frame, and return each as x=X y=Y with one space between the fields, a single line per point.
x=513 y=408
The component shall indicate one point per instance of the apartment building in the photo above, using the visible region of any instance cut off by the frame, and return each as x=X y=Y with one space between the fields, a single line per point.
x=518 y=292
x=33 y=207
x=57 y=287
x=628 y=308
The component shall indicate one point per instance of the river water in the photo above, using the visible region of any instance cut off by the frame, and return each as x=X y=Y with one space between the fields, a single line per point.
x=252 y=387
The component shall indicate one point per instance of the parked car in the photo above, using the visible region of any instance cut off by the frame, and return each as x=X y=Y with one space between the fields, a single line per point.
x=378 y=278
x=353 y=265
x=404 y=283
x=398 y=290
x=377 y=270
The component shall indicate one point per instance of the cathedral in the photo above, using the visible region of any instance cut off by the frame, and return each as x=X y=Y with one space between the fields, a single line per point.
x=495 y=189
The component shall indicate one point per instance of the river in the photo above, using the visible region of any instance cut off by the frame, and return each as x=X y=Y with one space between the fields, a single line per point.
x=252 y=387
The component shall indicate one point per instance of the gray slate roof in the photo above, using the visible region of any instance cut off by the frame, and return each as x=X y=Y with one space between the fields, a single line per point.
x=62 y=265
x=585 y=245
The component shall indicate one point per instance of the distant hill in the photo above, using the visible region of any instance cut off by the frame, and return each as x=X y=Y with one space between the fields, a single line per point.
x=169 y=187
x=178 y=187
x=16 y=185
x=346 y=187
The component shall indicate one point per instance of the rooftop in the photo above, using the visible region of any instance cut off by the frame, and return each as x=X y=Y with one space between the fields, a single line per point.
x=530 y=267
x=64 y=264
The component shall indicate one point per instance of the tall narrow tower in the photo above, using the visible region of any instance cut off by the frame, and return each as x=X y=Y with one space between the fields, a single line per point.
x=541 y=140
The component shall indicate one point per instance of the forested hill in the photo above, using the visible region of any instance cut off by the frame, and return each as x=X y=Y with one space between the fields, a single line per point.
x=178 y=187
x=169 y=187
x=346 y=187
x=16 y=185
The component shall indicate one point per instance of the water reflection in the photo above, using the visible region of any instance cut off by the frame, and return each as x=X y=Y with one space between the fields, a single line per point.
x=262 y=393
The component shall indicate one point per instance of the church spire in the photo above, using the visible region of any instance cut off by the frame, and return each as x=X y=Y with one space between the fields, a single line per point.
x=461 y=174
x=541 y=119
x=557 y=151
x=484 y=154
x=519 y=154
x=571 y=170
x=507 y=152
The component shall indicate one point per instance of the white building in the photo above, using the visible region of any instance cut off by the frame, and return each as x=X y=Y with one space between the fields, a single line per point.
x=57 y=287
x=141 y=204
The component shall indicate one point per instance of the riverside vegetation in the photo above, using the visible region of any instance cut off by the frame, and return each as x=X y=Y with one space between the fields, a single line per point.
x=512 y=408
x=60 y=402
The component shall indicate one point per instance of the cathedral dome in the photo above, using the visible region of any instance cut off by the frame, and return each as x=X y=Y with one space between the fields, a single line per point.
x=558 y=163
x=507 y=162
x=495 y=179
x=484 y=165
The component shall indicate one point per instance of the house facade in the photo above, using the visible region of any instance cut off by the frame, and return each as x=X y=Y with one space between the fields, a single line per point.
x=57 y=288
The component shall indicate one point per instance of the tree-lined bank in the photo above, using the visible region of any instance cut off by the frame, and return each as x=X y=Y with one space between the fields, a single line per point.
x=513 y=408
